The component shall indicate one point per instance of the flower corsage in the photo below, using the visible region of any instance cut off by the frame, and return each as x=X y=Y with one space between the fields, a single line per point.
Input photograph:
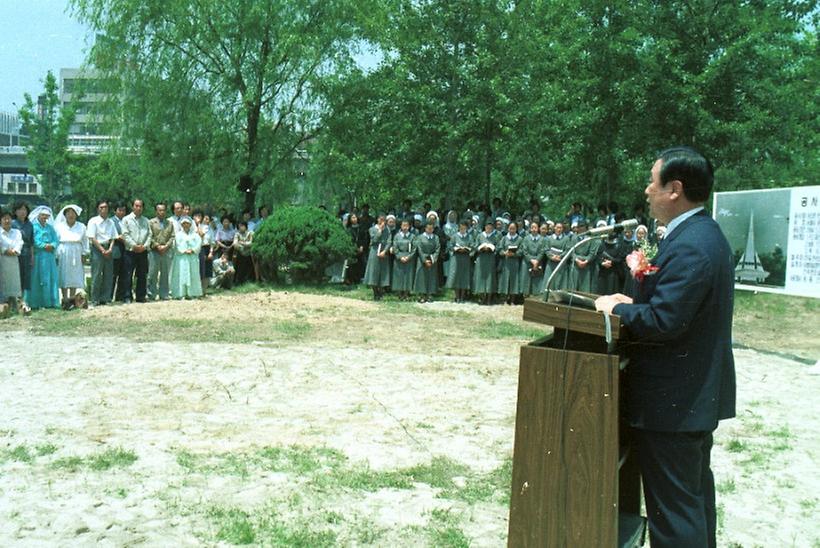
x=638 y=262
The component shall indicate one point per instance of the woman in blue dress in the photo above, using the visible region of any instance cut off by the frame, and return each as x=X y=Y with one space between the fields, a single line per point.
x=44 y=291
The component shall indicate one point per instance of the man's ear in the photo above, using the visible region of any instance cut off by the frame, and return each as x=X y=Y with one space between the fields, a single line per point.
x=677 y=188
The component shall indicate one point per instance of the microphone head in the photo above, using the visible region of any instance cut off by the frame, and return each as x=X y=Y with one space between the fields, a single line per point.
x=630 y=224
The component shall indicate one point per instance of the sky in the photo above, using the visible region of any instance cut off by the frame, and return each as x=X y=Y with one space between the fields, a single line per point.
x=41 y=35
x=36 y=36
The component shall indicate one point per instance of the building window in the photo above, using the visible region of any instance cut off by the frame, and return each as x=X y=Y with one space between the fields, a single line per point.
x=32 y=188
x=21 y=188
x=10 y=187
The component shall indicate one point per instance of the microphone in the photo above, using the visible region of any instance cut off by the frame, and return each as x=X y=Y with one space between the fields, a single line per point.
x=616 y=228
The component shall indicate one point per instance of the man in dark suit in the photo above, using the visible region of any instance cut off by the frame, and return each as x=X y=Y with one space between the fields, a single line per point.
x=680 y=380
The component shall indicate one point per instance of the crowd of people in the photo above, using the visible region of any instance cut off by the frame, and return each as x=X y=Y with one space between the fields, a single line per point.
x=132 y=258
x=488 y=255
x=483 y=253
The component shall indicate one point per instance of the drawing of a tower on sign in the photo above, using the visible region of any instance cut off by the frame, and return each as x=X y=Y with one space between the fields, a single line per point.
x=749 y=268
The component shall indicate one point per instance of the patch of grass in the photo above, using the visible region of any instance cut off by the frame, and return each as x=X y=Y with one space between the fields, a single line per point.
x=808 y=504
x=439 y=472
x=299 y=459
x=756 y=459
x=234 y=464
x=299 y=536
x=333 y=518
x=233 y=526
x=328 y=469
x=187 y=460
x=110 y=458
x=445 y=531
x=756 y=427
x=782 y=433
x=263 y=526
x=786 y=483
x=735 y=446
x=69 y=464
x=21 y=453
x=493 y=329
x=782 y=438
x=726 y=486
x=364 y=478
x=51 y=322
x=493 y=486
x=251 y=287
x=45 y=449
x=296 y=459
x=367 y=533
x=292 y=329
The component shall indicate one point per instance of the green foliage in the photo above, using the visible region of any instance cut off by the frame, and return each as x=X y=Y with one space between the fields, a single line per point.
x=775 y=264
x=219 y=93
x=571 y=100
x=302 y=241
x=47 y=126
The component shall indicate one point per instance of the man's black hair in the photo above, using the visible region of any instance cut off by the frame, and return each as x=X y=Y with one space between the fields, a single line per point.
x=691 y=168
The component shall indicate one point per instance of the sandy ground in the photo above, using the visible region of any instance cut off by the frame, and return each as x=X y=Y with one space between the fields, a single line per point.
x=379 y=402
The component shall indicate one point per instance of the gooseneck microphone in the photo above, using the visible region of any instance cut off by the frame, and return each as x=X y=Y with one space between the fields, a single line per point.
x=616 y=228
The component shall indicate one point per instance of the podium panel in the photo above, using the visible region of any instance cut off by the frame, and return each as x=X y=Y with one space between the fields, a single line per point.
x=575 y=482
x=565 y=464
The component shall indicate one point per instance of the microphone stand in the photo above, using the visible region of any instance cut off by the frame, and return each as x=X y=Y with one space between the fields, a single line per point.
x=567 y=256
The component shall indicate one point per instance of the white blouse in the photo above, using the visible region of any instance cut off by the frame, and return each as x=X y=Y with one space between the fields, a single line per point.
x=13 y=239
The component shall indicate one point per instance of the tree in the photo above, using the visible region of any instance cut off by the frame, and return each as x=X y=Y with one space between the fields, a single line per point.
x=47 y=126
x=571 y=99
x=243 y=78
x=427 y=121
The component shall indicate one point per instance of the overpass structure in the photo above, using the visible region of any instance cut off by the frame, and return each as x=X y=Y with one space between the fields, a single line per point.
x=13 y=160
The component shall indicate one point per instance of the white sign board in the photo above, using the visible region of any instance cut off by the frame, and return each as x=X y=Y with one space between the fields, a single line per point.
x=803 y=266
x=775 y=234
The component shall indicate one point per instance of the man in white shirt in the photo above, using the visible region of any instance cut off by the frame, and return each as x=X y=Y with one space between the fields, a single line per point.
x=102 y=234
x=137 y=236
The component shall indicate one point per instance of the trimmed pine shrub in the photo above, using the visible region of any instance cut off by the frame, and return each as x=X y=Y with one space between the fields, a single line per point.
x=301 y=241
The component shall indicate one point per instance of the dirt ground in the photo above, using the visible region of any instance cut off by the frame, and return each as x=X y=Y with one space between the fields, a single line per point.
x=376 y=383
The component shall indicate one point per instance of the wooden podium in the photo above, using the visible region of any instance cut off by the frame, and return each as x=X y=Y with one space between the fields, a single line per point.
x=574 y=483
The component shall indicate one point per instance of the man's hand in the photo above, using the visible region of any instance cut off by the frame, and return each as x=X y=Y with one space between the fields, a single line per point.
x=606 y=303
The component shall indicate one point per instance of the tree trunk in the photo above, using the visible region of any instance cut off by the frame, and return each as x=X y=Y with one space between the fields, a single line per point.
x=248 y=188
x=488 y=165
x=248 y=183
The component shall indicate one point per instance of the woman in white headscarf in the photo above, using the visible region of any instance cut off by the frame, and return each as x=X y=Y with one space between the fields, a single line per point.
x=185 y=278
x=73 y=245
x=44 y=292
